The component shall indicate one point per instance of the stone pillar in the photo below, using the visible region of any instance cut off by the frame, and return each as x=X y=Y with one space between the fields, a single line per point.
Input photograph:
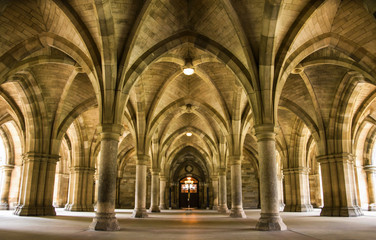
x=140 y=193
x=222 y=191
x=316 y=190
x=154 y=207
x=270 y=219
x=236 y=187
x=105 y=219
x=117 y=201
x=6 y=173
x=37 y=185
x=61 y=190
x=81 y=187
x=337 y=171
x=162 y=192
x=371 y=181
x=297 y=190
x=280 y=190
x=215 y=192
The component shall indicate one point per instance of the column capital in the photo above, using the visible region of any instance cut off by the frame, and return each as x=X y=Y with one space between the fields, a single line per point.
x=40 y=157
x=265 y=132
x=110 y=131
x=370 y=168
x=296 y=170
x=6 y=167
x=82 y=169
x=222 y=171
x=214 y=177
x=336 y=157
x=142 y=159
x=155 y=172
x=235 y=160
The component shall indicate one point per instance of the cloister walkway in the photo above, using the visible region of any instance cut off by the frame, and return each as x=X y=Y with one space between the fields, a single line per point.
x=183 y=224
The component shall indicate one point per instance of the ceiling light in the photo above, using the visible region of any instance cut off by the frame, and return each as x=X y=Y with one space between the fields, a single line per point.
x=188 y=71
x=188 y=67
x=188 y=134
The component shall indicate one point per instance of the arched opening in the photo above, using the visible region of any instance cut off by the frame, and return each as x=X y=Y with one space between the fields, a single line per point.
x=189 y=179
x=3 y=154
x=189 y=192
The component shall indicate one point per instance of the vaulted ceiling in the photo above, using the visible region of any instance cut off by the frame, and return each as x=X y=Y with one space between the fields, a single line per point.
x=51 y=50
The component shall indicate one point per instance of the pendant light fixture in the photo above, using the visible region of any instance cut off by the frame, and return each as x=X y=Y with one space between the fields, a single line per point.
x=188 y=67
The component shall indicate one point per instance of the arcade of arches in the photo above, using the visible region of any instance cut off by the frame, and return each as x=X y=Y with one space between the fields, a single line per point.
x=279 y=113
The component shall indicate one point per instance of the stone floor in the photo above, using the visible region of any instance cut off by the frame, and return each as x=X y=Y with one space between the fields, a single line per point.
x=180 y=224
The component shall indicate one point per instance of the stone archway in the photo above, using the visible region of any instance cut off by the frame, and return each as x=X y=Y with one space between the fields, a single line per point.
x=192 y=166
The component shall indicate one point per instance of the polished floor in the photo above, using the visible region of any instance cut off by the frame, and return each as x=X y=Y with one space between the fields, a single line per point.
x=180 y=224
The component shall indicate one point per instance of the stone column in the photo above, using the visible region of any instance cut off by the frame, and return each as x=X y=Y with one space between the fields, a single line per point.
x=222 y=191
x=89 y=190
x=297 y=190
x=118 y=183
x=6 y=173
x=280 y=190
x=371 y=180
x=215 y=192
x=236 y=187
x=105 y=219
x=315 y=189
x=337 y=171
x=37 y=185
x=75 y=203
x=61 y=190
x=154 y=207
x=162 y=190
x=270 y=219
x=140 y=193
x=81 y=187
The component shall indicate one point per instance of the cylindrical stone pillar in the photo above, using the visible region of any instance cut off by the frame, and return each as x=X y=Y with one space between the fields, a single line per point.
x=6 y=171
x=236 y=188
x=162 y=190
x=222 y=192
x=270 y=219
x=105 y=219
x=371 y=180
x=154 y=192
x=215 y=192
x=140 y=193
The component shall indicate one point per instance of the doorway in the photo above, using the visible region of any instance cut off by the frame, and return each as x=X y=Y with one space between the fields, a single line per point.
x=189 y=194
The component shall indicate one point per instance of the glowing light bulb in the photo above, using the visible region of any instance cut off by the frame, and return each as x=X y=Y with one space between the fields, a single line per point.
x=188 y=71
x=188 y=134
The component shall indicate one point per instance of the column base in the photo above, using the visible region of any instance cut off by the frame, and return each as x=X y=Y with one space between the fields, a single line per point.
x=299 y=208
x=270 y=222
x=78 y=208
x=215 y=207
x=4 y=206
x=59 y=205
x=281 y=207
x=155 y=209
x=223 y=209
x=162 y=207
x=341 y=211
x=104 y=222
x=372 y=207
x=22 y=210
x=139 y=213
x=237 y=213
